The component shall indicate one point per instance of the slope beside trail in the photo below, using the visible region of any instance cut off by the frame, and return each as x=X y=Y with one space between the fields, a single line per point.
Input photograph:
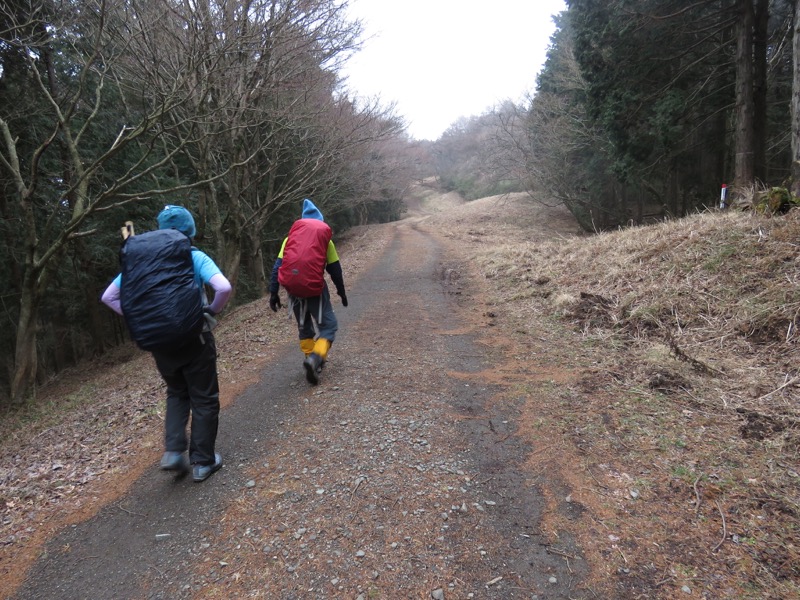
x=402 y=475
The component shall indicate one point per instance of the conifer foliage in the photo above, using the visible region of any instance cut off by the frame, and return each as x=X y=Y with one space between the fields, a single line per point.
x=645 y=108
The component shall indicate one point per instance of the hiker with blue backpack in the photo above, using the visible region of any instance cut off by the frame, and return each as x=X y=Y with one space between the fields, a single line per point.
x=305 y=255
x=161 y=295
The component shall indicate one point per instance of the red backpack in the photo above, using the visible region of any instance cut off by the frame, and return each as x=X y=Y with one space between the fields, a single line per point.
x=305 y=255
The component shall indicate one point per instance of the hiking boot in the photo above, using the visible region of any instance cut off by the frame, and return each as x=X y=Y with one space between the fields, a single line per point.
x=174 y=461
x=203 y=472
x=313 y=365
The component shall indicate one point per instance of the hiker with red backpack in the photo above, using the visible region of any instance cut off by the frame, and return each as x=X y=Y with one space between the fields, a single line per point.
x=161 y=295
x=305 y=255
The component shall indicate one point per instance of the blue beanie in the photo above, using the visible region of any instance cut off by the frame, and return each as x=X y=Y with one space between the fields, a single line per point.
x=310 y=211
x=177 y=217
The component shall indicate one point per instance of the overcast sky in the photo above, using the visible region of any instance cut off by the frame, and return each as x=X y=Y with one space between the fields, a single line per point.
x=439 y=60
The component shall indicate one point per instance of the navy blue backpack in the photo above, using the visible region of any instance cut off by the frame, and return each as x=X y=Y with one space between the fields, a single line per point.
x=161 y=302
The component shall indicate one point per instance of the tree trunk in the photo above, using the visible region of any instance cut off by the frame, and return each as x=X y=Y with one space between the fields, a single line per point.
x=25 y=356
x=760 y=36
x=91 y=302
x=796 y=102
x=673 y=192
x=744 y=171
x=231 y=237
x=227 y=236
x=638 y=208
x=97 y=331
x=233 y=258
x=255 y=263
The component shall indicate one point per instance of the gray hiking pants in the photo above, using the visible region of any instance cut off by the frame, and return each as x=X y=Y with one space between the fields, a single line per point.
x=317 y=311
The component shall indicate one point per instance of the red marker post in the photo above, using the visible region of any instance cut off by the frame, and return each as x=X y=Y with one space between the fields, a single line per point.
x=723 y=195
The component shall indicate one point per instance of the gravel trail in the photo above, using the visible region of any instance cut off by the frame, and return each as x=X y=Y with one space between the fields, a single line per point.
x=399 y=476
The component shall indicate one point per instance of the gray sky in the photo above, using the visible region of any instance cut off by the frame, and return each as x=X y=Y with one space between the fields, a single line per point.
x=439 y=60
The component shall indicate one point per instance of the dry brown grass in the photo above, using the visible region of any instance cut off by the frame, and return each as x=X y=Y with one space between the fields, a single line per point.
x=679 y=433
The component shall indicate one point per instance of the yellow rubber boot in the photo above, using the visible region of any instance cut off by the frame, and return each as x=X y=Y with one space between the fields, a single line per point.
x=321 y=348
x=307 y=346
x=314 y=361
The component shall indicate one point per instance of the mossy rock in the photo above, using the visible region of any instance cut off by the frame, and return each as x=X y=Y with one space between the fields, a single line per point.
x=775 y=201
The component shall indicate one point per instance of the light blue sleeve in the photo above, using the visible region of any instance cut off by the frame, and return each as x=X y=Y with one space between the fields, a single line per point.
x=118 y=280
x=204 y=267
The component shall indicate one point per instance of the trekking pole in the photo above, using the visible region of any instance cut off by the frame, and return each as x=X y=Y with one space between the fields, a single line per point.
x=127 y=230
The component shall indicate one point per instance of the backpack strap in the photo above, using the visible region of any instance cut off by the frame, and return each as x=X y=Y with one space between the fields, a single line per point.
x=302 y=306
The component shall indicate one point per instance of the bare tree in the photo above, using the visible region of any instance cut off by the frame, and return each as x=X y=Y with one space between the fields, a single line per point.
x=97 y=38
x=287 y=131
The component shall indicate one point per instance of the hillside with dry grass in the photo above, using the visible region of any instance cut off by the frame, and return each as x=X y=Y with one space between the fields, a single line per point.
x=679 y=429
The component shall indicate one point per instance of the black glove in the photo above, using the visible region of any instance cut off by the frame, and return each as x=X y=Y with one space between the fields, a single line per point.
x=343 y=296
x=208 y=311
x=274 y=302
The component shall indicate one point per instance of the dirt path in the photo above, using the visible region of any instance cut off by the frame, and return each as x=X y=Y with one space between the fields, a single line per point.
x=399 y=476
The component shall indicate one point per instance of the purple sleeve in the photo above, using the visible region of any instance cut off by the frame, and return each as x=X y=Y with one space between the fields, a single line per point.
x=111 y=297
x=222 y=291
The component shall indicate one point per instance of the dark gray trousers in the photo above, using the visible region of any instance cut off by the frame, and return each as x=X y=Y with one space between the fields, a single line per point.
x=192 y=388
